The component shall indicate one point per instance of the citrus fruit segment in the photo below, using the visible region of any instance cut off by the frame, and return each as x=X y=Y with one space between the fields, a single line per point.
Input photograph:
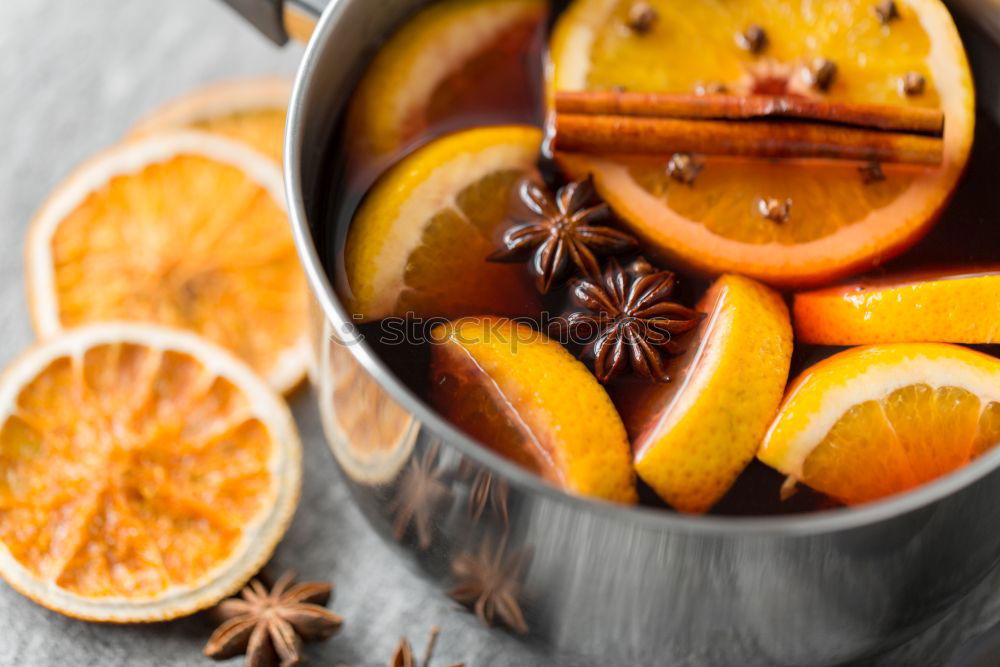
x=840 y=221
x=526 y=397
x=455 y=58
x=184 y=229
x=144 y=473
x=420 y=240
x=250 y=110
x=946 y=307
x=370 y=434
x=693 y=436
x=873 y=421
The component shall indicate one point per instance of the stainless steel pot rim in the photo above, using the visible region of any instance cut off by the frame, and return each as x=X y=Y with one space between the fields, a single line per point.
x=654 y=519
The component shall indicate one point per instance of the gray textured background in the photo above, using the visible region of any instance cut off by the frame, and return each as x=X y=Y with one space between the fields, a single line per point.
x=74 y=74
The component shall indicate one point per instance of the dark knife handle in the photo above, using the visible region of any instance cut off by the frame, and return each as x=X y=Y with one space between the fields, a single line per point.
x=277 y=19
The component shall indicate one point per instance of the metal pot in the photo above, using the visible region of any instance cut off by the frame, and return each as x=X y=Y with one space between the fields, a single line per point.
x=598 y=582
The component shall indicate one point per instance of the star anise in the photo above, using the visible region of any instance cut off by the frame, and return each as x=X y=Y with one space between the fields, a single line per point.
x=489 y=583
x=403 y=657
x=631 y=320
x=269 y=627
x=566 y=230
x=419 y=492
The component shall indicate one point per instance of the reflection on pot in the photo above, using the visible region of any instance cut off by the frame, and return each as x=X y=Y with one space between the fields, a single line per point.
x=370 y=434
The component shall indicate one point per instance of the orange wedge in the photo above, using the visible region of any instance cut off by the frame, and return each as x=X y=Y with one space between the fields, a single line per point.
x=693 y=436
x=250 y=110
x=454 y=59
x=184 y=229
x=874 y=421
x=838 y=223
x=946 y=307
x=420 y=240
x=144 y=473
x=526 y=397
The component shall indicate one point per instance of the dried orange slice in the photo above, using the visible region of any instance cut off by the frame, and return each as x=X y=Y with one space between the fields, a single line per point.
x=693 y=436
x=873 y=421
x=420 y=240
x=185 y=229
x=523 y=395
x=144 y=473
x=454 y=59
x=250 y=110
x=838 y=223
x=945 y=307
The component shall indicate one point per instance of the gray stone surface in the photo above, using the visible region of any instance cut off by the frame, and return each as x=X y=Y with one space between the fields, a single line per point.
x=74 y=74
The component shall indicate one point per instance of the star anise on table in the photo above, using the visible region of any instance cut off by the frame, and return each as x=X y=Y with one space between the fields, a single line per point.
x=270 y=627
x=403 y=657
x=489 y=583
x=419 y=492
x=631 y=320
x=567 y=230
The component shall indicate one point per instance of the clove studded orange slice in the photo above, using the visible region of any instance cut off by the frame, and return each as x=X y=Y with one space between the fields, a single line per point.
x=732 y=217
x=523 y=395
x=877 y=420
x=693 y=436
x=145 y=473
x=948 y=307
x=420 y=240
x=455 y=58
x=249 y=110
x=184 y=229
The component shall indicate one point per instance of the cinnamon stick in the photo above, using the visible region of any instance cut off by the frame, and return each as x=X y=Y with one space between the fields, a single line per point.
x=623 y=134
x=909 y=119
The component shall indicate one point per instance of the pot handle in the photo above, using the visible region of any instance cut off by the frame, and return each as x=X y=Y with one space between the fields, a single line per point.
x=280 y=19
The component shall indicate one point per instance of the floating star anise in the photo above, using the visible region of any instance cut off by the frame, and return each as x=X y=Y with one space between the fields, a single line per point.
x=631 y=320
x=564 y=231
x=489 y=583
x=269 y=627
x=420 y=490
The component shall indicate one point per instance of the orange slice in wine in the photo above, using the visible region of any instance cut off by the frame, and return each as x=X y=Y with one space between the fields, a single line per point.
x=523 y=395
x=877 y=420
x=694 y=435
x=455 y=58
x=420 y=240
x=840 y=221
x=144 y=473
x=947 y=307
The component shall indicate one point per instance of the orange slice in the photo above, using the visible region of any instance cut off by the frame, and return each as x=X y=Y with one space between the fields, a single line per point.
x=454 y=59
x=420 y=240
x=946 y=307
x=250 y=110
x=144 y=473
x=838 y=223
x=370 y=434
x=184 y=229
x=693 y=436
x=873 y=421
x=526 y=397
